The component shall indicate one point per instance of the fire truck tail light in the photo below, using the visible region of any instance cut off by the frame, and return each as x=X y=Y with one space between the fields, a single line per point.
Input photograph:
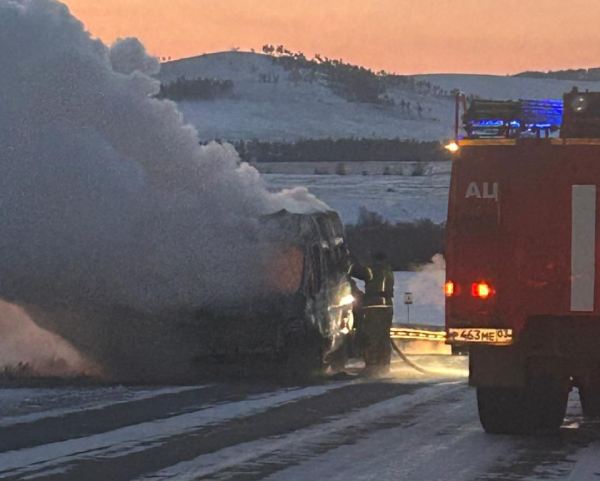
x=481 y=290
x=449 y=289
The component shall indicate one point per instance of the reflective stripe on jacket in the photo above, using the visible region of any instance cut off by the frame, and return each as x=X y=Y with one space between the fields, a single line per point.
x=379 y=288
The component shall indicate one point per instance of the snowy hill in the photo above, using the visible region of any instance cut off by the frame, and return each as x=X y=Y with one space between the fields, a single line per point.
x=285 y=108
x=271 y=102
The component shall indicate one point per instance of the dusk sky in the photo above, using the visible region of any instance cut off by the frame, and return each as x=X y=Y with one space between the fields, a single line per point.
x=403 y=36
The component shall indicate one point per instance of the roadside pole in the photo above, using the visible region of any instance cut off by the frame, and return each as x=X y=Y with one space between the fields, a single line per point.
x=408 y=300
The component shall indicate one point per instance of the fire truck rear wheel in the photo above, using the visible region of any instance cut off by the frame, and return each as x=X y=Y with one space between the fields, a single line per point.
x=539 y=407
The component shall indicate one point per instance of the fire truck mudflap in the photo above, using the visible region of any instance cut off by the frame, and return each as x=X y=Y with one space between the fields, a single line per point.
x=522 y=266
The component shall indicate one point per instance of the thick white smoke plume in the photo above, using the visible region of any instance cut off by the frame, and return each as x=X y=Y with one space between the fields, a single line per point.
x=129 y=55
x=428 y=286
x=39 y=352
x=104 y=188
x=105 y=194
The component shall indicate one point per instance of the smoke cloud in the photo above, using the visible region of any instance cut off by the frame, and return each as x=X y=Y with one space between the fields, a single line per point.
x=128 y=55
x=106 y=196
x=25 y=344
x=428 y=286
x=105 y=187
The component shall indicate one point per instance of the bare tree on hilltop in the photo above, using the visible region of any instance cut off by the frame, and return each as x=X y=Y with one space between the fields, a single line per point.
x=352 y=82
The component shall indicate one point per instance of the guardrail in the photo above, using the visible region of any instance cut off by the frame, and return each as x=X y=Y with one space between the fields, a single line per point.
x=417 y=334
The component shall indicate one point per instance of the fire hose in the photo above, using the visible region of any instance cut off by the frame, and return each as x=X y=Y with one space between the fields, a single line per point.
x=410 y=333
x=406 y=359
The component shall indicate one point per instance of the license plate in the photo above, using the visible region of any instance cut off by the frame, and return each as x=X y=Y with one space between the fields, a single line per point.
x=481 y=335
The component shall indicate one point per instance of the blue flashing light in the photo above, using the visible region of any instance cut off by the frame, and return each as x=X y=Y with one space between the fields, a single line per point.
x=542 y=113
x=489 y=123
x=522 y=116
x=515 y=124
x=495 y=123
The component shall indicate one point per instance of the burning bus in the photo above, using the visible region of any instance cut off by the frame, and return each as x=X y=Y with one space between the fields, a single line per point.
x=297 y=321
x=302 y=319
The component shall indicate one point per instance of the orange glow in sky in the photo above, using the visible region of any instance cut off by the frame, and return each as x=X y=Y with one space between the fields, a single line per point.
x=403 y=36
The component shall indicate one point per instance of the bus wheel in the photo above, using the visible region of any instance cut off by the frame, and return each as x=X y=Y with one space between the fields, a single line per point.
x=304 y=357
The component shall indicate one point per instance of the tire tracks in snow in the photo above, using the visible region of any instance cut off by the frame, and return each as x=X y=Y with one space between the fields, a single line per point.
x=109 y=445
x=258 y=459
x=54 y=426
x=135 y=451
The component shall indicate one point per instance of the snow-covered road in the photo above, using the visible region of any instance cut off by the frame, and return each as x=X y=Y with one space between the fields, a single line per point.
x=405 y=427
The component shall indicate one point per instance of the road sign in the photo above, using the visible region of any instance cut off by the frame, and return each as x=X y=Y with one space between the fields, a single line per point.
x=408 y=298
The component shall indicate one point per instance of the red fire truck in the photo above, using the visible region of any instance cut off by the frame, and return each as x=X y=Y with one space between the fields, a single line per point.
x=523 y=259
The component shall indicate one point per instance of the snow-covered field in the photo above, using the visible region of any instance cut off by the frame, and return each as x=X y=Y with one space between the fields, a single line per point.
x=396 y=197
x=353 y=168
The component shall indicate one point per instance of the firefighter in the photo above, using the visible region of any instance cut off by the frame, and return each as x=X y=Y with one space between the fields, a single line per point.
x=377 y=313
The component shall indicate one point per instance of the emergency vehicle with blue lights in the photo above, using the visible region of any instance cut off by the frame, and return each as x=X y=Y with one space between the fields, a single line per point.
x=522 y=286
